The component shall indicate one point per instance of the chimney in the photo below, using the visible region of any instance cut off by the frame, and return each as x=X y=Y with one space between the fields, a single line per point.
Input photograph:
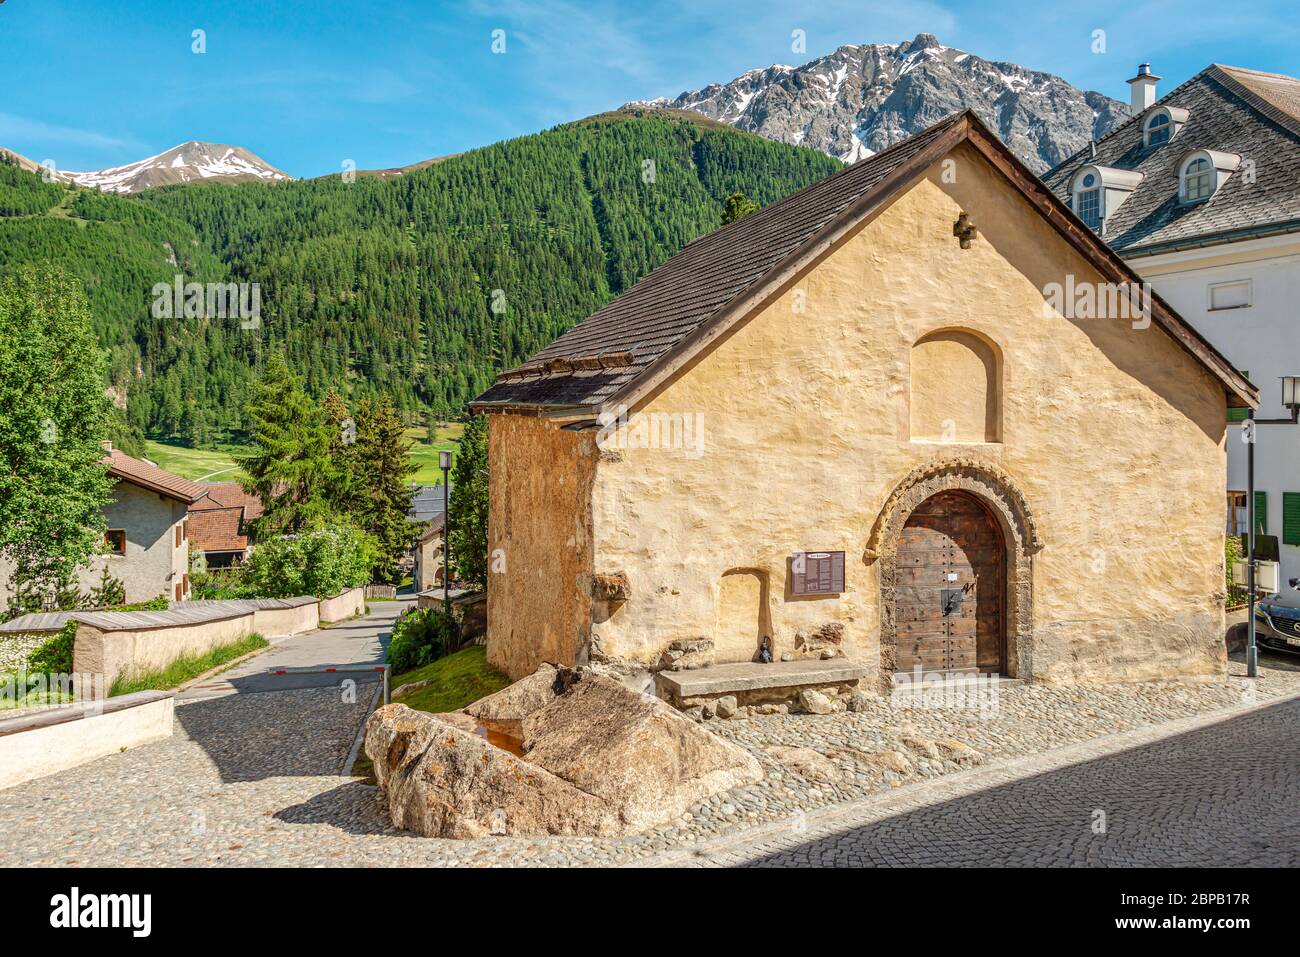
x=1142 y=89
x=106 y=445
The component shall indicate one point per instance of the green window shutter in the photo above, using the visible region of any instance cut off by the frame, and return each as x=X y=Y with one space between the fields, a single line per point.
x=1291 y=518
x=1261 y=513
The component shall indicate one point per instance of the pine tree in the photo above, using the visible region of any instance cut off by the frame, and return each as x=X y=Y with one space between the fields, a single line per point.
x=383 y=463
x=738 y=206
x=346 y=491
x=469 y=504
x=290 y=468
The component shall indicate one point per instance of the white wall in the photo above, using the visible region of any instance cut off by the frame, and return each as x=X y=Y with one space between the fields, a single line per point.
x=1263 y=339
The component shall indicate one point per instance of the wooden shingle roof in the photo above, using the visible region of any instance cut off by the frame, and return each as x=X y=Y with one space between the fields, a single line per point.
x=624 y=350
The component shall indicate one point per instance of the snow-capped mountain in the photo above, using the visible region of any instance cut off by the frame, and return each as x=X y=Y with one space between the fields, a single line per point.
x=186 y=163
x=862 y=98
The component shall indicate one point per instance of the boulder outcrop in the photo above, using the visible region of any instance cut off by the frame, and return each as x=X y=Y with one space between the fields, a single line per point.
x=597 y=758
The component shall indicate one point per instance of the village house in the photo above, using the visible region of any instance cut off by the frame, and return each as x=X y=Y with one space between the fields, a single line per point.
x=427 y=511
x=853 y=424
x=219 y=524
x=146 y=542
x=1200 y=193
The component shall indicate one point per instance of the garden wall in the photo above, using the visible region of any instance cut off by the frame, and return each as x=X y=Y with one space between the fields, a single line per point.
x=55 y=739
x=343 y=605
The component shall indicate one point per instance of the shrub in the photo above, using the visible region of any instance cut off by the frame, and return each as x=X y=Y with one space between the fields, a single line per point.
x=419 y=637
x=322 y=561
x=55 y=656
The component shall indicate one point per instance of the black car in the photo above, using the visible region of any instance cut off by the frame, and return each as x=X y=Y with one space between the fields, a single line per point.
x=1277 y=627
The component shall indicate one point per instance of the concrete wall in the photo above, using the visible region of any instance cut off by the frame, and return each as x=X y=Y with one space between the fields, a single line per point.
x=1262 y=338
x=343 y=605
x=112 y=652
x=44 y=748
x=1112 y=434
x=277 y=622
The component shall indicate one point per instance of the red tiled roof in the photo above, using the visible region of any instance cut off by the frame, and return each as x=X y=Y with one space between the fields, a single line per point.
x=230 y=495
x=151 y=477
x=217 y=529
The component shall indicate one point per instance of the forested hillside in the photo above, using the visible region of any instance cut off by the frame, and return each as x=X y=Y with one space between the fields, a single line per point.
x=422 y=285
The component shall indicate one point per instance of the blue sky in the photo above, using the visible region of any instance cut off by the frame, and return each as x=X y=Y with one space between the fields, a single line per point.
x=309 y=85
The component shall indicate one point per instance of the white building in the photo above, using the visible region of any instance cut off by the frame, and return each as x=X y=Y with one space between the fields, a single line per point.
x=1200 y=193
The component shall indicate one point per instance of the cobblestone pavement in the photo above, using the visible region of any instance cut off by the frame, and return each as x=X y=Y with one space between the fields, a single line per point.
x=251 y=779
x=1199 y=792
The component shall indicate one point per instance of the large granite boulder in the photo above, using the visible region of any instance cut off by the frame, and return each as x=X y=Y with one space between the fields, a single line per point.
x=597 y=758
x=642 y=756
x=442 y=781
x=517 y=701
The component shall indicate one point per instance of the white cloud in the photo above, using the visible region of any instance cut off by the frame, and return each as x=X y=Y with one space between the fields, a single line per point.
x=16 y=129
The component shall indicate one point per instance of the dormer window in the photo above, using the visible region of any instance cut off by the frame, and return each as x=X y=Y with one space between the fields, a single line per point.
x=1162 y=125
x=1198 y=180
x=1158 y=130
x=1087 y=201
x=1098 y=192
x=1203 y=172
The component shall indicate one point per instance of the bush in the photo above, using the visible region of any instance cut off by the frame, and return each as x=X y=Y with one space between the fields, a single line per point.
x=55 y=656
x=419 y=637
x=220 y=583
x=322 y=561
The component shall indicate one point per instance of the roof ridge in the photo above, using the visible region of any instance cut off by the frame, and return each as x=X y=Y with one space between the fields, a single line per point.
x=1259 y=104
x=855 y=167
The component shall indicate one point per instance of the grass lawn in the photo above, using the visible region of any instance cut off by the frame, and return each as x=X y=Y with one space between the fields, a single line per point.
x=218 y=465
x=425 y=455
x=457 y=680
x=207 y=465
x=183 y=669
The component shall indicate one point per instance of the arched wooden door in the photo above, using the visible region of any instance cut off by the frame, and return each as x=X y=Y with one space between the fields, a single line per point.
x=951 y=590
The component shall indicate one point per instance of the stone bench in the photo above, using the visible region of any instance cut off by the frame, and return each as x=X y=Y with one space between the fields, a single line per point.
x=754 y=683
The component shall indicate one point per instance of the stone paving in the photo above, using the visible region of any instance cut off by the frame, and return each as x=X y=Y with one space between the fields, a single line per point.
x=251 y=779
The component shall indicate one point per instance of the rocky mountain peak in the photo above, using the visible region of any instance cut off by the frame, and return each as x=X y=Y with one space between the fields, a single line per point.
x=861 y=98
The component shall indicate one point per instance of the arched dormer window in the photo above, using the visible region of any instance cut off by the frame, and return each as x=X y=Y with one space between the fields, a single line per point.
x=1158 y=129
x=1162 y=125
x=1203 y=172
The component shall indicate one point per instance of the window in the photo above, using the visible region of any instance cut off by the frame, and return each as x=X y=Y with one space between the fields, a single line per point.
x=1198 y=180
x=1291 y=518
x=1087 y=203
x=1158 y=129
x=177 y=530
x=115 y=539
x=1230 y=295
x=822 y=574
x=1237 y=513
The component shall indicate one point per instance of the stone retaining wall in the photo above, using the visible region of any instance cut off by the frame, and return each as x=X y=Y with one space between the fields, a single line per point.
x=110 y=651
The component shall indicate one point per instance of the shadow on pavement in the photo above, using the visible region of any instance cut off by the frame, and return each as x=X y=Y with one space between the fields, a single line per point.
x=1226 y=795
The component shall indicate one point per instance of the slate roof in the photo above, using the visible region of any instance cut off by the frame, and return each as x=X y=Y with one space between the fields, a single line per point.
x=1232 y=110
x=677 y=298
x=151 y=477
x=426 y=503
x=623 y=350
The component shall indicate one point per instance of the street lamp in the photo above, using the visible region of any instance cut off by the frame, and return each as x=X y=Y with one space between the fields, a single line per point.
x=1291 y=402
x=444 y=462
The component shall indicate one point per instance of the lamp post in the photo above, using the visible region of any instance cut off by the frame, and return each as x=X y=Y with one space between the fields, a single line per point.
x=1291 y=402
x=444 y=462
